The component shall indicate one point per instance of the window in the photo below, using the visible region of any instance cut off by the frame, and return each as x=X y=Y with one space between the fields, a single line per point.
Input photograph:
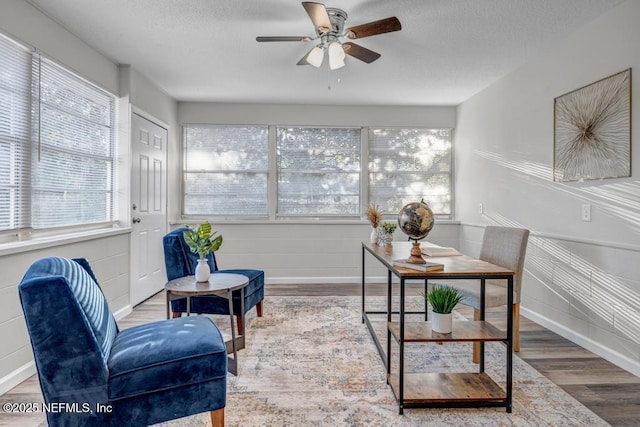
x=318 y=171
x=56 y=144
x=407 y=165
x=225 y=170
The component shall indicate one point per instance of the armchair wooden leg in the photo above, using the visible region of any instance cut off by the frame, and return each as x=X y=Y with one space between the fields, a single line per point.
x=176 y=315
x=217 y=418
x=259 y=309
x=476 y=345
x=516 y=327
x=240 y=323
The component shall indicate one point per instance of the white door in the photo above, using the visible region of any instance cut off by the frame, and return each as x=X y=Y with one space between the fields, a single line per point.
x=148 y=207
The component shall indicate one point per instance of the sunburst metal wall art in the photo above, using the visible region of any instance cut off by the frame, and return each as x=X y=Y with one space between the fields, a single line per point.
x=592 y=130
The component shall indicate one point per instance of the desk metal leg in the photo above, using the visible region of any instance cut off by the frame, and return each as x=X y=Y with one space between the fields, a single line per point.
x=482 y=317
x=509 y=341
x=401 y=350
x=363 y=299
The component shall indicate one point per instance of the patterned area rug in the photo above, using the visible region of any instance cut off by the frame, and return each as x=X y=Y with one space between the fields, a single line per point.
x=310 y=361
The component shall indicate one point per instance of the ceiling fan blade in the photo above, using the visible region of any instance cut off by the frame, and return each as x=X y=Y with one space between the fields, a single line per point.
x=319 y=16
x=283 y=38
x=359 y=52
x=382 y=26
x=303 y=60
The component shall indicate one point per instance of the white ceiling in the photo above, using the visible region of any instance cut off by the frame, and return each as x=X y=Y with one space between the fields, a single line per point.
x=205 y=50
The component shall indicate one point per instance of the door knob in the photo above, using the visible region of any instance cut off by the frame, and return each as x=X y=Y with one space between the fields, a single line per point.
x=136 y=220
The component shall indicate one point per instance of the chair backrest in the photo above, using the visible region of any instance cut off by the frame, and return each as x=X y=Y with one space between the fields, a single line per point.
x=506 y=247
x=178 y=258
x=71 y=329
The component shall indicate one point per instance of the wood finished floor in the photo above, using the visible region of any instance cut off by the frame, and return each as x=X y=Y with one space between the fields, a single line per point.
x=609 y=391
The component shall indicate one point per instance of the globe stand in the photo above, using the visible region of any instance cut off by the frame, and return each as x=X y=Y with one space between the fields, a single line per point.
x=416 y=254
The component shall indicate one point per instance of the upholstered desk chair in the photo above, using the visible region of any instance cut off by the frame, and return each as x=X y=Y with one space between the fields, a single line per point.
x=180 y=262
x=506 y=247
x=139 y=376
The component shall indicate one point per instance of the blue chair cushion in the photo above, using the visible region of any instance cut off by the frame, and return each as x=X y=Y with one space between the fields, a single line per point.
x=149 y=358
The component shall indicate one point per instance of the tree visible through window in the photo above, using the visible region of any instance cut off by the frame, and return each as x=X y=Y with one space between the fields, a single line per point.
x=318 y=171
x=225 y=170
x=407 y=165
x=56 y=144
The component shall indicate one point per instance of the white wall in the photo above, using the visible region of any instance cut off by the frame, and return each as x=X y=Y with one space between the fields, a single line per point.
x=308 y=251
x=107 y=250
x=582 y=278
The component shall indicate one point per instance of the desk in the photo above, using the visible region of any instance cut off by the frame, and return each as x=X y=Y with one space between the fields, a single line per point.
x=454 y=390
x=222 y=285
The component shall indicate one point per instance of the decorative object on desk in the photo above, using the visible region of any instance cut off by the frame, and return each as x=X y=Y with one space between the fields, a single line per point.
x=385 y=233
x=592 y=130
x=374 y=216
x=438 y=251
x=416 y=221
x=202 y=241
x=443 y=300
x=424 y=266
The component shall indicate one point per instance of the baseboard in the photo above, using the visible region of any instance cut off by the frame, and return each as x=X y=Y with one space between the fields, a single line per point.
x=315 y=280
x=606 y=353
x=127 y=309
x=16 y=377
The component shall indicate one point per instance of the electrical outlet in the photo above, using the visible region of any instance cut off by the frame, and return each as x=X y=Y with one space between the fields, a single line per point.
x=481 y=208
x=586 y=212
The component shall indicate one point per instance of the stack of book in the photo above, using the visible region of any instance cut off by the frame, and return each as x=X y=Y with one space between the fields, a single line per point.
x=425 y=266
x=439 y=251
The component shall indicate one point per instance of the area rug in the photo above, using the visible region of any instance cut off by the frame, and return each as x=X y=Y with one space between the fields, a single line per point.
x=310 y=361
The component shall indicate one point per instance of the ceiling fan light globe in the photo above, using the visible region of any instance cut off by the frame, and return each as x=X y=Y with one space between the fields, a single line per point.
x=336 y=51
x=315 y=57
x=335 y=63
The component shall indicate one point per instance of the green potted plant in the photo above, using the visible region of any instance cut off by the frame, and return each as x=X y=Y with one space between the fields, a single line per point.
x=202 y=241
x=385 y=233
x=443 y=300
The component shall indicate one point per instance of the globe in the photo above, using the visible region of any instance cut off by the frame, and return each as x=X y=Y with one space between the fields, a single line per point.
x=416 y=221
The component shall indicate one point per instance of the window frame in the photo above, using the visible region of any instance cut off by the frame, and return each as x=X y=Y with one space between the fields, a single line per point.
x=273 y=172
x=22 y=220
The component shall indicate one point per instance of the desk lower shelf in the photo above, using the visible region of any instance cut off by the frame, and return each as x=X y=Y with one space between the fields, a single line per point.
x=462 y=331
x=448 y=388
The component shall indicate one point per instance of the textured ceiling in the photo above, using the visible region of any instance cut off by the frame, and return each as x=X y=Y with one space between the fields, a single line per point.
x=205 y=50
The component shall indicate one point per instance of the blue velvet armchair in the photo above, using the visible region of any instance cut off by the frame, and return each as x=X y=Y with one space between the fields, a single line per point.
x=102 y=376
x=180 y=262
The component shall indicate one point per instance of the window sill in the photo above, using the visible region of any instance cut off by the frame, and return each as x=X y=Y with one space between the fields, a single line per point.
x=58 y=240
x=295 y=222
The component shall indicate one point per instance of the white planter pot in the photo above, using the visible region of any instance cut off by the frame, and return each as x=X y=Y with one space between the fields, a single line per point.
x=442 y=323
x=202 y=271
x=373 y=238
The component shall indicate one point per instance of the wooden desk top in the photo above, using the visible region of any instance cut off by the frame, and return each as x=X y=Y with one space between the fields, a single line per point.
x=218 y=283
x=460 y=266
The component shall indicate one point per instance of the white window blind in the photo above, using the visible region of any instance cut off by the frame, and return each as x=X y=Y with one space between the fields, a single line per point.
x=318 y=171
x=15 y=126
x=225 y=170
x=56 y=144
x=407 y=165
x=73 y=162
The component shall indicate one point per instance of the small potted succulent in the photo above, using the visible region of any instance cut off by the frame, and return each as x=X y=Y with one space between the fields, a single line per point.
x=385 y=233
x=202 y=241
x=443 y=300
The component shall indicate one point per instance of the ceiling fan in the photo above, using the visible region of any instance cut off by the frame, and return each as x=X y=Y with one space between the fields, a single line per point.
x=329 y=25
